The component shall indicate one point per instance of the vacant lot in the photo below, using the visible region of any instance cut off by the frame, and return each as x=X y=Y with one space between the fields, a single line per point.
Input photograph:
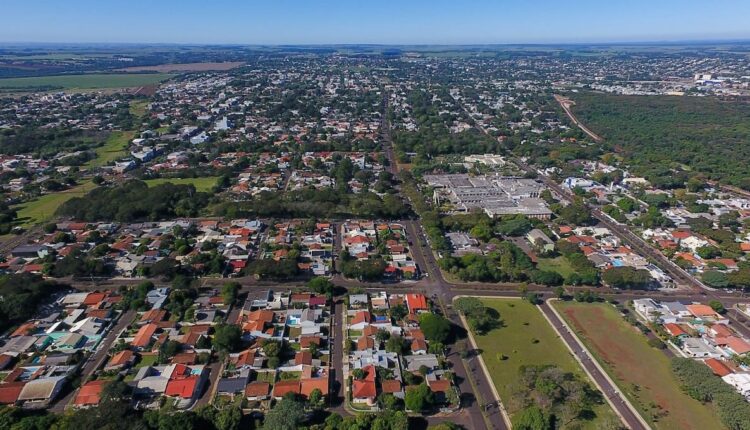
x=642 y=372
x=43 y=208
x=525 y=338
x=84 y=82
x=558 y=264
x=115 y=147
x=187 y=67
x=200 y=184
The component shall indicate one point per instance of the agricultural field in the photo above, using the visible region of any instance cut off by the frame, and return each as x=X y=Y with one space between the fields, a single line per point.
x=115 y=147
x=188 y=67
x=201 y=184
x=525 y=338
x=83 y=82
x=655 y=133
x=622 y=350
x=43 y=208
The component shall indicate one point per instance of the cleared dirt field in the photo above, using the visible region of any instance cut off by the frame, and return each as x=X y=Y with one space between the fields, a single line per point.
x=643 y=373
x=526 y=338
x=187 y=67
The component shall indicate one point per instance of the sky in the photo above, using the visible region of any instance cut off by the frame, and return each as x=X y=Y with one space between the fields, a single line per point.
x=261 y=22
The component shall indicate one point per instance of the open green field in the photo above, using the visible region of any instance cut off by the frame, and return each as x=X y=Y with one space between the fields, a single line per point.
x=201 y=184
x=43 y=208
x=86 y=82
x=522 y=323
x=558 y=264
x=138 y=107
x=643 y=373
x=655 y=133
x=115 y=147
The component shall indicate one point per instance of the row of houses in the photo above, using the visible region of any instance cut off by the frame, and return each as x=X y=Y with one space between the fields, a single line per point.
x=364 y=240
x=286 y=338
x=40 y=356
x=699 y=332
x=375 y=321
x=129 y=250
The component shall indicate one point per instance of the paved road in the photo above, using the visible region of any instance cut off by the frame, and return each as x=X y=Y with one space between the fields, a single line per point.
x=215 y=369
x=608 y=389
x=335 y=343
x=96 y=360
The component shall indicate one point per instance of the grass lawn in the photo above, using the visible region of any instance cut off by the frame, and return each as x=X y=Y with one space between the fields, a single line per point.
x=560 y=265
x=138 y=107
x=87 y=81
x=643 y=373
x=43 y=208
x=522 y=323
x=115 y=147
x=269 y=377
x=147 y=360
x=201 y=184
x=290 y=376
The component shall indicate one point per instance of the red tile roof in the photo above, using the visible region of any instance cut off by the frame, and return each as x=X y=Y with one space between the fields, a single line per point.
x=309 y=385
x=94 y=298
x=183 y=387
x=439 y=386
x=121 y=358
x=257 y=389
x=303 y=357
x=283 y=387
x=10 y=391
x=718 y=367
x=143 y=337
x=362 y=316
x=416 y=302
x=674 y=329
x=701 y=310
x=90 y=393
x=391 y=386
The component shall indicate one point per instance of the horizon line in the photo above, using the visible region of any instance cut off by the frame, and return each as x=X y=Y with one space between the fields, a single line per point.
x=417 y=44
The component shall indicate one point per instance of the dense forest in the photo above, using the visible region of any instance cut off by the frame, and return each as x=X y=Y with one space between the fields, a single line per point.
x=135 y=201
x=657 y=134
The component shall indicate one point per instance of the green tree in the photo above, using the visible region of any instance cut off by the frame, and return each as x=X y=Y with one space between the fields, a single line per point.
x=717 y=306
x=229 y=292
x=288 y=414
x=321 y=285
x=418 y=398
x=435 y=327
x=531 y=418
x=715 y=279
x=227 y=338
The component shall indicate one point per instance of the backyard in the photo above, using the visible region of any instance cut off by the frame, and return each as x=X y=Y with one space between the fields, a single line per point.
x=525 y=338
x=622 y=350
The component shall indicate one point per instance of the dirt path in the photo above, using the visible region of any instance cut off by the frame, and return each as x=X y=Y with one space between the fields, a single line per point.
x=566 y=103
